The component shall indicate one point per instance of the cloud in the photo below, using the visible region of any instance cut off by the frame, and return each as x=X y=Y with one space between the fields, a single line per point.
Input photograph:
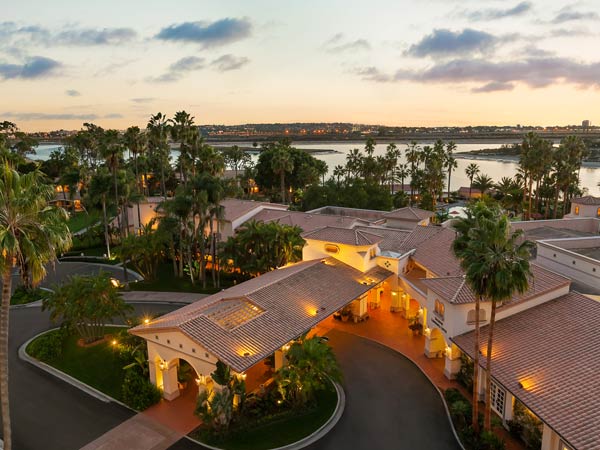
x=443 y=42
x=534 y=72
x=179 y=69
x=209 y=34
x=568 y=14
x=337 y=44
x=372 y=74
x=143 y=100
x=494 y=86
x=34 y=67
x=31 y=116
x=73 y=36
x=72 y=93
x=228 y=62
x=497 y=13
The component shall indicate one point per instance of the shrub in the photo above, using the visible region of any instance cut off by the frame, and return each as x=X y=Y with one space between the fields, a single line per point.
x=138 y=392
x=22 y=295
x=48 y=347
x=489 y=441
x=465 y=374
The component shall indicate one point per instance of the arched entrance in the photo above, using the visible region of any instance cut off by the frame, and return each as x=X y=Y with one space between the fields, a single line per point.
x=435 y=344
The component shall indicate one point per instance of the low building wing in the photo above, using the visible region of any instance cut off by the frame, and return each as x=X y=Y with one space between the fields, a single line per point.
x=246 y=323
x=547 y=357
x=357 y=237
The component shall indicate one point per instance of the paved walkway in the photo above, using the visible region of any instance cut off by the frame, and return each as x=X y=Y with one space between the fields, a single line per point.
x=177 y=414
x=138 y=433
x=161 y=297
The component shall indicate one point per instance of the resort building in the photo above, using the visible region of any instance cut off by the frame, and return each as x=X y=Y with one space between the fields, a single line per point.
x=544 y=353
x=587 y=206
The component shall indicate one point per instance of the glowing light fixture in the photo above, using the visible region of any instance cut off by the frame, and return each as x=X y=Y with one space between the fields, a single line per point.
x=114 y=342
x=146 y=321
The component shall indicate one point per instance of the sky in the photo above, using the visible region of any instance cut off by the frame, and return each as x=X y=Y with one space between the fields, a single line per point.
x=391 y=62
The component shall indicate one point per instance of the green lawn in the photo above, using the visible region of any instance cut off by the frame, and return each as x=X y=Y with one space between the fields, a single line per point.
x=166 y=281
x=97 y=366
x=79 y=220
x=284 y=431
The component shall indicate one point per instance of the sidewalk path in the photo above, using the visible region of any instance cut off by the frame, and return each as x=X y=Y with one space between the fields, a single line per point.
x=138 y=433
x=161 y=297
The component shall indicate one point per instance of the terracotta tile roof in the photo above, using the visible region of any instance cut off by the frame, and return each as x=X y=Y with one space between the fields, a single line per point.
x=418 y=236
x=306 y=221
x=391 y=238
x=435 y=252
x=289 y=302
x=552 y=349
x=587 y=200
x=408 y=213
x=456 y=290
x=343 y=236
x=234 y=208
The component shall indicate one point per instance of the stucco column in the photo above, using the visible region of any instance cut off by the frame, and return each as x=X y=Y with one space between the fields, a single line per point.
x=452 y=362
x=549 y=439
x=280 y=359
x=152 y=372
x=170 y=387
x=509 y=405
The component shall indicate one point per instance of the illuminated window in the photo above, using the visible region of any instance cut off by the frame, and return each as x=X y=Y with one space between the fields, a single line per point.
x=498 y=399
x=372 y=253
x=577 y=210
x=471 y=316
x=598 y=212
x=564 y=446
x=439 y=309
x=331 y=248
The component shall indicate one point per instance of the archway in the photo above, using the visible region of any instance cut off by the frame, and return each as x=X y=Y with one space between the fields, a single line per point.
x=435 y=344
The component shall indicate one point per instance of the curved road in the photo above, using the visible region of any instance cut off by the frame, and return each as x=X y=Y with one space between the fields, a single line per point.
x=390 y=403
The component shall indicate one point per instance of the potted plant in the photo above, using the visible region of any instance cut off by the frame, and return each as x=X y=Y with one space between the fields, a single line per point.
x=345 y=314
x=415 y=326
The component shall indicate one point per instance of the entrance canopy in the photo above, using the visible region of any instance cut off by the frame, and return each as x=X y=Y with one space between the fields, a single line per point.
x=248 y=322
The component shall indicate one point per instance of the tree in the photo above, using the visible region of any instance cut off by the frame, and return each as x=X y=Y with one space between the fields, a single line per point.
x=98 y=193
x=236 y=158
x=471 y=170
x=450 y=162
x=483 y=182
x=158 y=128
x=135 y=141
x=496 y=265
x=282 y=163
x=144 y=251
x=112 y=151
x=31 y=235
x=85 y=304
x=261 y=247
x=311 y=364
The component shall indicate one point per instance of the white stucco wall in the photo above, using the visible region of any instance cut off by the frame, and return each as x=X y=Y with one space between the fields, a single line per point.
x=584 y=210
x=573 y=265
x=348 y=254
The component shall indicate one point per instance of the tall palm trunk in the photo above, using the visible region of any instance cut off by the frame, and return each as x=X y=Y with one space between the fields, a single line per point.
x=140 y=187
x=557 y=193
x=475 y=418
x=4 y=392
x=106 y=235
x=449 y=175
x=117 y=203
x=282 y=181
x=487 y=415
x=212 y=251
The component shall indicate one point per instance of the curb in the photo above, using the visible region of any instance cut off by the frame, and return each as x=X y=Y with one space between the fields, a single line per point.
x=439 y=391
x=134 y=274
x=311 y=438
x=24 y=356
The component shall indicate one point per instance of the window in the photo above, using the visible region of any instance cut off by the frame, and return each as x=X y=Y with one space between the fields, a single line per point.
x=564 y=446
x=439 y=309
x=498 y=399
x=577 y=210
x=372 y=253
x=598 y=212
x=331 y=248
x=471 y=316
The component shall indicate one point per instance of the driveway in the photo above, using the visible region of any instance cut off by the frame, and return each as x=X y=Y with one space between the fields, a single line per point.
x=390 y=403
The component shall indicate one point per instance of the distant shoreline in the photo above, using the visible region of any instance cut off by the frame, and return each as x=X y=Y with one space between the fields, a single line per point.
x=511 y=159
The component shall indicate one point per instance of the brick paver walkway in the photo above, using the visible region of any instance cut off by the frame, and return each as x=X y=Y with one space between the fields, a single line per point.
x=138 y=433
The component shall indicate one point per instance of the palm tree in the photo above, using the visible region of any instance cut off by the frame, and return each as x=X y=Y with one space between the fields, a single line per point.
x=483 y=182
x=31 y=235
x=112 y=151
x=412 y=156
x=496 y=265
x=158 y=127
x=135 y=141
x=182 y=127
x=338 y=172
x=281 y=163
x=98 y=193
x=450 y=162
x=471 y=170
